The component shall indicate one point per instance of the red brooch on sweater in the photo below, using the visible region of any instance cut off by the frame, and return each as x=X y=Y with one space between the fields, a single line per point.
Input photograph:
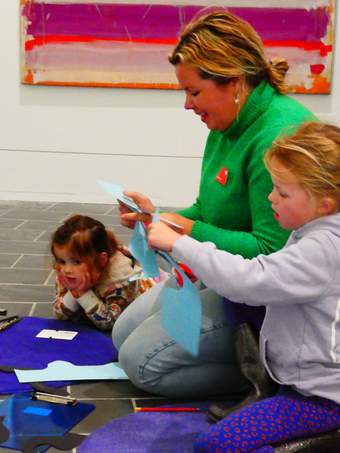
x=222 y=176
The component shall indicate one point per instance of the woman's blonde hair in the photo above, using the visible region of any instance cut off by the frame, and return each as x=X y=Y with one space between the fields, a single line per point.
x=222 y=46
x=312 y=155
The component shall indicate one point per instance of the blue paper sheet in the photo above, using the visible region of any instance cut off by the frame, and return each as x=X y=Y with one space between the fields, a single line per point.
x=140 y=250
x=60 y=370
x=26 y=418
x=117 y=192
x=181 y=311
x=138 y=245
x=181 y=307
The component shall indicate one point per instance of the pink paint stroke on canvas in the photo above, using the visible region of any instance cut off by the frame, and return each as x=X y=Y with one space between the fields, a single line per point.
x=98 y=43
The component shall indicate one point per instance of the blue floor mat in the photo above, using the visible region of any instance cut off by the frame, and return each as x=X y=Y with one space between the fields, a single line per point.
x=21 y=349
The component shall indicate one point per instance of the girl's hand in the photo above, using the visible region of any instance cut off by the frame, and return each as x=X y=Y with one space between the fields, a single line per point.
x=161 y=236
x=61 y=280
x=128 y=218
x=85 y=283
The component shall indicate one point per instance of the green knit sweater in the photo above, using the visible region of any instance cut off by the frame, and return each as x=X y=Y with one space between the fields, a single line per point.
x=237 y=216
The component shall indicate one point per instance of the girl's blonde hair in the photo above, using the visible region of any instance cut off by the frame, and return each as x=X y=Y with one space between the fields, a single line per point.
x=312 y=155
x=86 y=238
x=222 y=46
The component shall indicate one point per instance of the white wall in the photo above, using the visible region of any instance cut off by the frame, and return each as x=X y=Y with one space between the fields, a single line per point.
x=55 y=141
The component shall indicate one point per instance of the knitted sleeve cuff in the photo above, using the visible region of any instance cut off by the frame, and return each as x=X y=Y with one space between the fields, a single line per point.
x=70 y=302
x=88 y=300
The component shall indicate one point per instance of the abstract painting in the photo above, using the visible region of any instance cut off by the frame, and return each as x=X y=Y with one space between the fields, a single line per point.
x=125 y=43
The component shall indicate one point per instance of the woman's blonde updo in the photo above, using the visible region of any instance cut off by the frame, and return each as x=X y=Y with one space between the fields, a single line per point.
x=223 y=46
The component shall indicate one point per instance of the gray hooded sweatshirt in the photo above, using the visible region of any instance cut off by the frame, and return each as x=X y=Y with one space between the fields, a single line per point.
x=300 y=286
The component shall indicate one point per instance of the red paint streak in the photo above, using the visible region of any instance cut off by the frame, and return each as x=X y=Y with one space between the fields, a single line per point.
x=29 y=45
x=159 y=86
x=40 y=41
x=317 y=68
x=315 y=45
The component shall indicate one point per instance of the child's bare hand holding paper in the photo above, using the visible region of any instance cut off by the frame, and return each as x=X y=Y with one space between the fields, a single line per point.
x=160 y=236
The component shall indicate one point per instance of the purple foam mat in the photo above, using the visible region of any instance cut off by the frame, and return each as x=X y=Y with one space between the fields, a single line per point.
x=20 y=348
x=149 y=432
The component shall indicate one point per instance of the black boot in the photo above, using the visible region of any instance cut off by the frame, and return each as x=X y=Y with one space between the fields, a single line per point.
x=323 y=443
x=248 y=357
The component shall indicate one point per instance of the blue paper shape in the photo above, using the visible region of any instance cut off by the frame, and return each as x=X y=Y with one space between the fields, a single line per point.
x=25 y=418
x=138 y=245
x=37 y=411
x=117 y=192
x=60 y=371
x=181 y=311
x=140 y=250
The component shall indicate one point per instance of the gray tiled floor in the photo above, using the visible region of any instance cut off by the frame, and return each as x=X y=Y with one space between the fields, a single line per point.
x=27 y=288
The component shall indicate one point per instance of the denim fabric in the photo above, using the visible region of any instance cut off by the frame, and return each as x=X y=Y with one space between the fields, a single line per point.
x=156 y=363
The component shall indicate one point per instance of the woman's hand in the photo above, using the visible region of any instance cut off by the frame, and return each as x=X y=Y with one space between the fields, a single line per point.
x=128 y=218
x=161 y=236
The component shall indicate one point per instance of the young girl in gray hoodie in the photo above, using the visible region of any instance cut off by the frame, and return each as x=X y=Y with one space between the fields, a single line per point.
x=300 y=287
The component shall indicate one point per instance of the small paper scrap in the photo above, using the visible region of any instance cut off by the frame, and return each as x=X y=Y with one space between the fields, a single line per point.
x=57 y=334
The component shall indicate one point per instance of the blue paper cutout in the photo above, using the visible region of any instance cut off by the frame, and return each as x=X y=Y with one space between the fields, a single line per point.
x=37 y=411
x=180 y=308
x=181 y=311
x=140 y=250
x=117 y=192
x=25 y=418
x=138 y=245
x=60 y=370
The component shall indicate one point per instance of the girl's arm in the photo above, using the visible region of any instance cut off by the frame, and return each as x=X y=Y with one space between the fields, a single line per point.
x=300 y=273
x=68 y=305
x=103 y=312
x=65 y=305
x=96 y=309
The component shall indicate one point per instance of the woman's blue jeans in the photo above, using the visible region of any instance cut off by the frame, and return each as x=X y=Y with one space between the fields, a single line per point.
x=157 y=364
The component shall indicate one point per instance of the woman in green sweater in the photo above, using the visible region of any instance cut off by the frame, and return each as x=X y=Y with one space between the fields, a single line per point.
x=220 y=64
